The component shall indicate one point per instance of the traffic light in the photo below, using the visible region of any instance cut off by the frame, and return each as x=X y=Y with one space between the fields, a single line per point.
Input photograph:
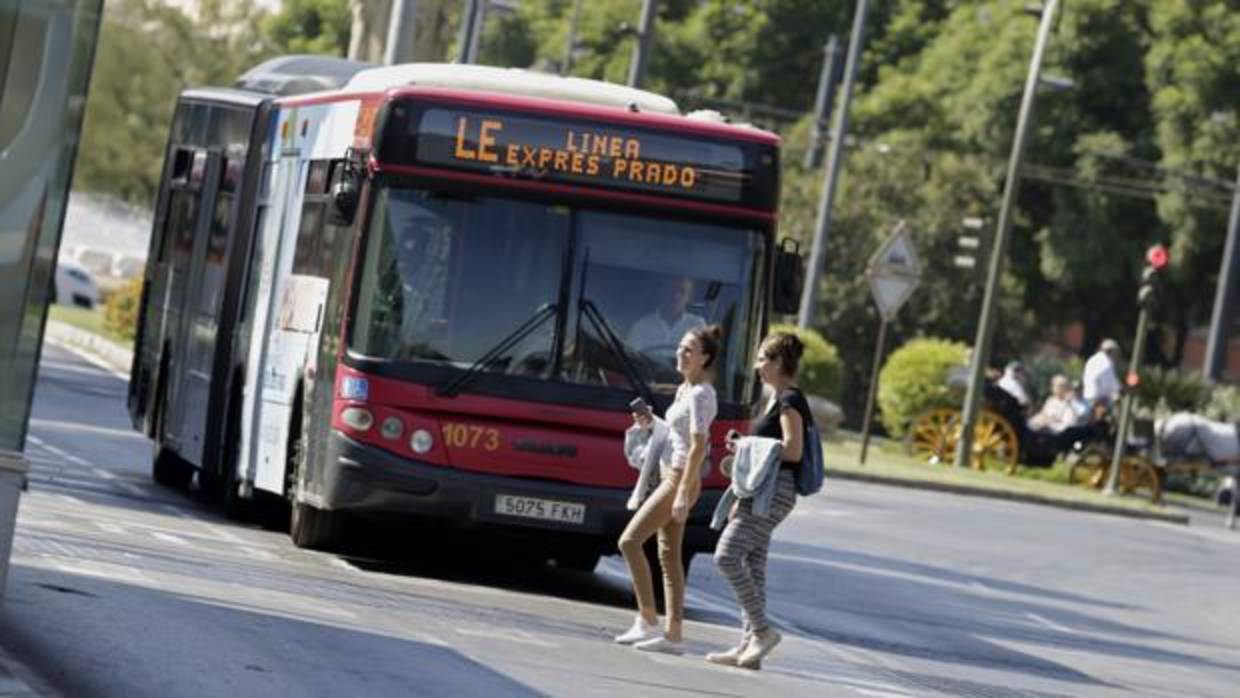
x=1156 y=259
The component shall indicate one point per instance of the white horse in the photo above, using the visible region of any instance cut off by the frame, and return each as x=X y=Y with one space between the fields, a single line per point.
x=1186 y=436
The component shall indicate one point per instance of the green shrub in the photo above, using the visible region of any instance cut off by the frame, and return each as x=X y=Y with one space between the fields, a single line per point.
x=1171 y=390
x=822 y=370
x=1224 y=404
x=914 y=379
x=120 y=312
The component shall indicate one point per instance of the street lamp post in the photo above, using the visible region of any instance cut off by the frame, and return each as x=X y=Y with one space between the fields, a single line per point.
x=985 y=327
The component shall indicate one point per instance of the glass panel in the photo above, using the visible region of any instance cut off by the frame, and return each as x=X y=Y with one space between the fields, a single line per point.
x=42 y=97
x=652 y=281
x=447 y=279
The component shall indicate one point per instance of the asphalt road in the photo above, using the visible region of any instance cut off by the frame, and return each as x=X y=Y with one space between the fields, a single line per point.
x=122 y=588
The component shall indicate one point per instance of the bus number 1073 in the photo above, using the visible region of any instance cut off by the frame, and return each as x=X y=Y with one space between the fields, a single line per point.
x=472 y=436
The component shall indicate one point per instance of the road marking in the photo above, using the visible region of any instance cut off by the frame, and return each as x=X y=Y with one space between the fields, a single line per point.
x=111 y=528
x=92 y=569
x=169 y=538
x=104 y=474
x=90 y=359
x=70 y=499
x=880 y=694
x=34 y=440
x=519 y=636
x=1049 y=623
x=80 y=427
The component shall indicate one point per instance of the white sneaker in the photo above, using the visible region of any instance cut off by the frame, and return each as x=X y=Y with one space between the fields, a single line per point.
x=640 y=632
x=661 y=644
x=760 y=645
x=731 y=656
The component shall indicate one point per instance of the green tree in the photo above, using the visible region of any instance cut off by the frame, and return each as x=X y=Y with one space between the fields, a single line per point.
x=1192 y=77
x=147 y=53
x=309 y=26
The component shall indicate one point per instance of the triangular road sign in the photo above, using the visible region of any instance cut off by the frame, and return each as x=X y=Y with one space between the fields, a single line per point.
x=894 y=272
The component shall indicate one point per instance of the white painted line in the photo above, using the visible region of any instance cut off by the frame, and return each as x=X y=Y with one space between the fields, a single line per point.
x=518 y=636
x=110 y=528
x=70 y=499
x=881 y=694
x=91 y=359
x=1049 y=623
x=169 y=538
x=258 y=554
x=220 y=533
x=80 y=428
x=77 y=461
x=92 y=569
x=34 y=439
x=104 y=474
x=132 y=489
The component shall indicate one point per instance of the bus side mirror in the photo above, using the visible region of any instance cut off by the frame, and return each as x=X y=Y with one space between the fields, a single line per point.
x=789 y=278
x=345 y=193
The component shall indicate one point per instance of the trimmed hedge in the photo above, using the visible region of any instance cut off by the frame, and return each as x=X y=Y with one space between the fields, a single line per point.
x=822 y=371
x=914 y=380
x=120 y=310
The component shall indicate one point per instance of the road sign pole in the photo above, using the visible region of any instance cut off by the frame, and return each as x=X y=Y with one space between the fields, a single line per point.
x=1125 y=418
x=869 y=400
x=1235 y=499
x=835 y=154
x=985 y=325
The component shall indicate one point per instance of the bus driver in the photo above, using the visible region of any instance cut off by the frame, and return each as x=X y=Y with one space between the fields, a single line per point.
x=666 y=324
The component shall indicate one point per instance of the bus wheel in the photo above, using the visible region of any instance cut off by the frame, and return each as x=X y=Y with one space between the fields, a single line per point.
x=577 y=560
x=313 y=528
x=169 y=470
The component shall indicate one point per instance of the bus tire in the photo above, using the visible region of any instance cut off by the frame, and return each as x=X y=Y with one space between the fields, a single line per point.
x=313 y=528
x=169 y=470
x=577 y=560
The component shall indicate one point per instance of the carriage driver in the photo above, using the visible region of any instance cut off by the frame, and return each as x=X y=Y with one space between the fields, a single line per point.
x=1101 y=376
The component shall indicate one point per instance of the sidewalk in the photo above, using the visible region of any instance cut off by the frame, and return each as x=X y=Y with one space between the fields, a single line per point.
x=106 y=352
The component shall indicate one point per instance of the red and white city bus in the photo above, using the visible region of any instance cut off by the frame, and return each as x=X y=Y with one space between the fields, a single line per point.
x=461 y=277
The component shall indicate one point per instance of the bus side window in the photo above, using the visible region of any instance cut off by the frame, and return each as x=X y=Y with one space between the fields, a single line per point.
x=313 y=254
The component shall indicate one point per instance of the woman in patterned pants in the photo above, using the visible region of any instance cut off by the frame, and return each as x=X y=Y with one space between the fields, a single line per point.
x=743 y=547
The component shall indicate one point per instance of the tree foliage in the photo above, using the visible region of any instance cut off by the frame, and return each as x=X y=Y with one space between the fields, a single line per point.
x=1142 y=149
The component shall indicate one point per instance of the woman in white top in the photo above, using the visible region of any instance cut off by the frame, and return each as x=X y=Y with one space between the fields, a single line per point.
x=667 y=508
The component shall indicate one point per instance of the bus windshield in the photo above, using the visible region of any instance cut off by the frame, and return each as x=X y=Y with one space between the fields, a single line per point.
x=503 y=286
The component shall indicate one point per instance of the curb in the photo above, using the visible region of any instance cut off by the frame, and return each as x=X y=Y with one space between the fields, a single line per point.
x=953 y=488
x=116 y=357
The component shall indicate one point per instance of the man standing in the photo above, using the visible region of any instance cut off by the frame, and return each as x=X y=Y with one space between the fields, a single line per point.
x=668 y=323
x=1101 y=380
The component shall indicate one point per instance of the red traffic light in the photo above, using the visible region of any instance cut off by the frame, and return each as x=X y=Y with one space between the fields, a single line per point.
x=1157 y=257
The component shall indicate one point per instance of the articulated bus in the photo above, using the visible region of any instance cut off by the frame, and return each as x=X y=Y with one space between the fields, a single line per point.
x=434 y=290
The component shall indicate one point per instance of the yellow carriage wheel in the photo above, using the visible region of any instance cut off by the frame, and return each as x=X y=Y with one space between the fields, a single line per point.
x=1138 y=475
x=932 y=436
x=994 y=443
x=1090 y=469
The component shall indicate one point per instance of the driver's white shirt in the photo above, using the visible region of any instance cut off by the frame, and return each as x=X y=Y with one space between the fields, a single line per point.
x=653 y=331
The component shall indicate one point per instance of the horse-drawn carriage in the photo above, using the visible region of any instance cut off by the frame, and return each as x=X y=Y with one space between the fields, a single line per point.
x=1002 y=438
x=1182 y=444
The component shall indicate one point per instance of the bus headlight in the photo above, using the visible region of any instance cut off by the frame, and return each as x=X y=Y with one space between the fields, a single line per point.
x=357 y=418
x=421 y=441
x=392 y=428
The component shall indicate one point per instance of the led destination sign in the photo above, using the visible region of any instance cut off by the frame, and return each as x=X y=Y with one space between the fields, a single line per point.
x=596 y=154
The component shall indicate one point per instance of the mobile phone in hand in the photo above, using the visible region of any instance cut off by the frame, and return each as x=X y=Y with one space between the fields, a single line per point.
x=641 y=407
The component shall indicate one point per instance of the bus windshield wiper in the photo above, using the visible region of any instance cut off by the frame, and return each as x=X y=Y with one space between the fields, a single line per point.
x=616 y=347
x=454 y=387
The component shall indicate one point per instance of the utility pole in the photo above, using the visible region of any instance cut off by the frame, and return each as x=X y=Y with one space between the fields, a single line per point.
x=401 y=27
x=645 y=39
x=822 y=103
x=985 y=327
x=809 y=294
x=466 y=44
x=1224 y=295
x=566 y=65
